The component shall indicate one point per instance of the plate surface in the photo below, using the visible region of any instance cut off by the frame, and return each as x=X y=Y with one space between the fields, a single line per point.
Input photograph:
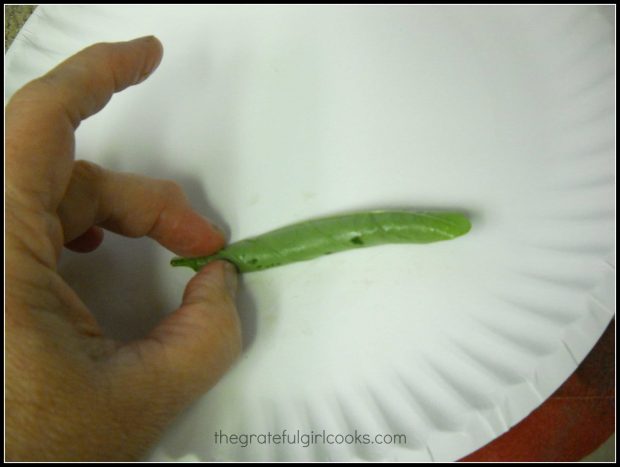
x=269 y=115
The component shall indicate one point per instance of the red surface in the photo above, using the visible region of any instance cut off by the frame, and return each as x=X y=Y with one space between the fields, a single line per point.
x=572 y=423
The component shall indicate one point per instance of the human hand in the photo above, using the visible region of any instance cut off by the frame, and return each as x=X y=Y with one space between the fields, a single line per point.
x=71 y=392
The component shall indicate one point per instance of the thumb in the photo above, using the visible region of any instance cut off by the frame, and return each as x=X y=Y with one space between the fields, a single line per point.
x=188 y=352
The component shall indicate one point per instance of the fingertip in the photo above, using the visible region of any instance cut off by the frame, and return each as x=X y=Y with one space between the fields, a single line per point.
x=144 y=39
x=213 y=282
x=198 y=236
x=229 y=275
x=152 y=50
x=155 y=55
x=231 y=278
x=218 y=237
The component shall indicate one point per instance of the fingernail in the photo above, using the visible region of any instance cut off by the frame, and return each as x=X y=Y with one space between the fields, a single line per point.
x=215 y=227
x=151 y=67
x=230 y=277
x=143 y=77
x=218 y=229
x=150 y=37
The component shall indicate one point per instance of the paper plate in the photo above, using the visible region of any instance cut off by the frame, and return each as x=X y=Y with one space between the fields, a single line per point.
x=268 y=115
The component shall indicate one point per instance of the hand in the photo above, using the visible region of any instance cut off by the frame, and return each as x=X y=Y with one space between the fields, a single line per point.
x=71 y=393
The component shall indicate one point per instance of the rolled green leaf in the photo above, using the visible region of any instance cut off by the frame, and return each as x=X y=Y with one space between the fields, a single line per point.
x=310 y=239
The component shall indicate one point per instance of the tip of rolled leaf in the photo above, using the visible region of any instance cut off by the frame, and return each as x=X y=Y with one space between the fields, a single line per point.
x=464 y=224
x=176 y=262
x=460 y=223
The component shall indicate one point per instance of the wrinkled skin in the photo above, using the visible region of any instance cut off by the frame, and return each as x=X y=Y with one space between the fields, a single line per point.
x=71 y=392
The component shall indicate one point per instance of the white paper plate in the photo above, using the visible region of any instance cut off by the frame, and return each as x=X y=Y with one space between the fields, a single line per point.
x=273 y=114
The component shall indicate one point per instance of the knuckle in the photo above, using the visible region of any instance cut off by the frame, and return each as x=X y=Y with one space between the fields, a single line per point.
x=171 y=190
x=101 y=51
x=43 y=88
x=87 y=172
x=99 y=47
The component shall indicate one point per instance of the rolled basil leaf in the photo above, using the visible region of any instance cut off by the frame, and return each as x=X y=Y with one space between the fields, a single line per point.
x=310 y=239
